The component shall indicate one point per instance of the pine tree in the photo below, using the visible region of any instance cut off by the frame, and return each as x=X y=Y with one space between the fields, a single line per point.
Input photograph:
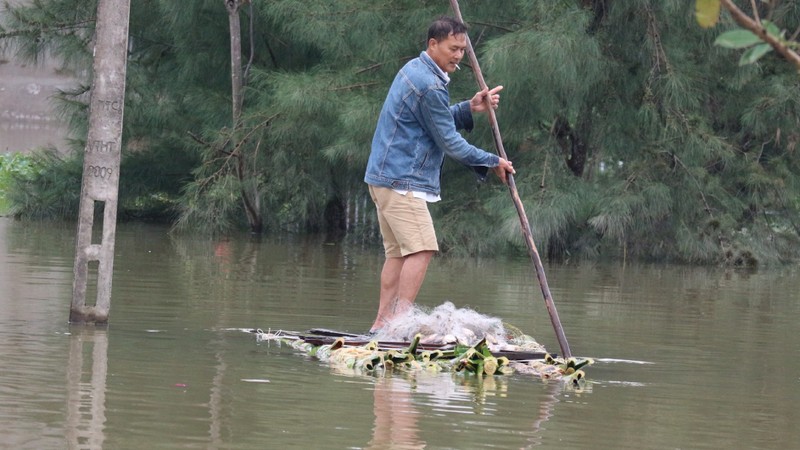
x=632 y=134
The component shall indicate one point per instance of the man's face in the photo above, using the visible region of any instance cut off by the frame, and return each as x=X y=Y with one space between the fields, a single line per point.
x=448 y=53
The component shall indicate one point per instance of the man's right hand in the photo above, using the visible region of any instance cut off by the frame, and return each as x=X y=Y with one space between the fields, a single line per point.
x=503 y=169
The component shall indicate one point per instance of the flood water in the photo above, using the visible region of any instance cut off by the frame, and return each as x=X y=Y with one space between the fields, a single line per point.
x=28 y=117
x=687 y=358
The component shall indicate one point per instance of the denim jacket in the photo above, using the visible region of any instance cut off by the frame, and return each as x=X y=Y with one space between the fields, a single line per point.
x=417 y=127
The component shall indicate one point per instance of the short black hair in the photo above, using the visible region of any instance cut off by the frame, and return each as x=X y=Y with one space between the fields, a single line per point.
x=444 y=26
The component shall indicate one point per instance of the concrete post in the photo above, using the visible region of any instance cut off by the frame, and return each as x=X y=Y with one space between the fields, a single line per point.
x=100 y=185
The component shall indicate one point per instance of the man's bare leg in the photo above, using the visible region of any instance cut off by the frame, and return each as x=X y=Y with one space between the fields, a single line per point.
x=390 y=279
x=401 y=280
x=411 y=277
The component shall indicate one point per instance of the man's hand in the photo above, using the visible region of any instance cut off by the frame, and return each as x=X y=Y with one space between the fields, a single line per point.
x=478 y=103
x=503 y=169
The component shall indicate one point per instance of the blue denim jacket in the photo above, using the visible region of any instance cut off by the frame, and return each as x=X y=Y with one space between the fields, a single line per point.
x=417 y=127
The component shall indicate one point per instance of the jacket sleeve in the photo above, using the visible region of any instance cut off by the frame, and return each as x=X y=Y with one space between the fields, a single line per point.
x=440 y=121
x=462 y=116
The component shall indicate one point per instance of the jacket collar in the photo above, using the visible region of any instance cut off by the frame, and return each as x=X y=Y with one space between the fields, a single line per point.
x=426 y=58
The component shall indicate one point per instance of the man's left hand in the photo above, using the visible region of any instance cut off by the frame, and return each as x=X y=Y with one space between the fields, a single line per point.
x=478 y=103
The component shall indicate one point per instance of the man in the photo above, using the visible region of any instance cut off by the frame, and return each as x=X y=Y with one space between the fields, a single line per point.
x=416 y=128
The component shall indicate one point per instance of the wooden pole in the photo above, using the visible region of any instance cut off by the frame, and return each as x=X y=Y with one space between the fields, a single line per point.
x=512 y=189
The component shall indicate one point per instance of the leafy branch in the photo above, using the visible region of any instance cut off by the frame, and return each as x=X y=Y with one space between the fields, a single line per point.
x=757 y=36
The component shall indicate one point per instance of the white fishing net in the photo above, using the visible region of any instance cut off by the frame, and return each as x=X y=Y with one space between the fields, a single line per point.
x=446 y=324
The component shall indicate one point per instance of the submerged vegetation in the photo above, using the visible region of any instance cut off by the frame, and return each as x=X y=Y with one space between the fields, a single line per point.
x=633 y=135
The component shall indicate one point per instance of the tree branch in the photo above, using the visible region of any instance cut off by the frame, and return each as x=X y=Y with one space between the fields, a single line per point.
x=355 y=86
x=755 y=12
x=746 y=22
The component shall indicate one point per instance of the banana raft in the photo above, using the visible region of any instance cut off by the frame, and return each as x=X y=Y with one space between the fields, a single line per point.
x=476 y=359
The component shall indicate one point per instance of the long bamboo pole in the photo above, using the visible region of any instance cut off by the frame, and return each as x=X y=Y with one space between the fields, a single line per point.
x=512 y=189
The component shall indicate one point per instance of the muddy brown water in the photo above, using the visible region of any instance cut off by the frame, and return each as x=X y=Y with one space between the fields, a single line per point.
x=687 y=357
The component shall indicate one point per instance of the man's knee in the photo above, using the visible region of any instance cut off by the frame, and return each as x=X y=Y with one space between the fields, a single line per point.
x=423 y=255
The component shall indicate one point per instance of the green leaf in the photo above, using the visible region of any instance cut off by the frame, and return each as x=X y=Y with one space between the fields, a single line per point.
x=707 y=12
x=754 y=53
x=738 y=38
x=772 y=29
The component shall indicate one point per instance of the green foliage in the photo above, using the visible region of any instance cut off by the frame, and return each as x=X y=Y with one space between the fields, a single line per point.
x=12 y=166
x=745 y=39
x=36 y=28
x=39 y=185
x=633 y=134
x=737 y=39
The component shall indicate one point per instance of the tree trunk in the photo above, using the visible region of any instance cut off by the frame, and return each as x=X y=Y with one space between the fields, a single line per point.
x=572 y=143
x=251 y=204
x=600 y=10
x=335 y=220
x=235 y=29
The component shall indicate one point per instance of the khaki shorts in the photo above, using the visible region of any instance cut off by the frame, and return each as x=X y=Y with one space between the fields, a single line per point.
x=406 y=224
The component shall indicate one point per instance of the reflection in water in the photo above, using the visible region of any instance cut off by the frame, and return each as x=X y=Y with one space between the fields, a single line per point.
x=546 y=411
x=215 y=402
x=395 y=415
x=86 y=389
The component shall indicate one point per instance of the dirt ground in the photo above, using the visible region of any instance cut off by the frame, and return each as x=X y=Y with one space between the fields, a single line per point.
x=27 y=119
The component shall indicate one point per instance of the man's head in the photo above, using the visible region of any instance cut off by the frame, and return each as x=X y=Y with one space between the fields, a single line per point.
x=447 y=42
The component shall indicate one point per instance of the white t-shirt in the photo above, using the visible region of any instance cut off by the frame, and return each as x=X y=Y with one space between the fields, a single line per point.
x=427 y=196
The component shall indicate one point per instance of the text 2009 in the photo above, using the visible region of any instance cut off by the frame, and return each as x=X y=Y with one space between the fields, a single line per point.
x=100 y=172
